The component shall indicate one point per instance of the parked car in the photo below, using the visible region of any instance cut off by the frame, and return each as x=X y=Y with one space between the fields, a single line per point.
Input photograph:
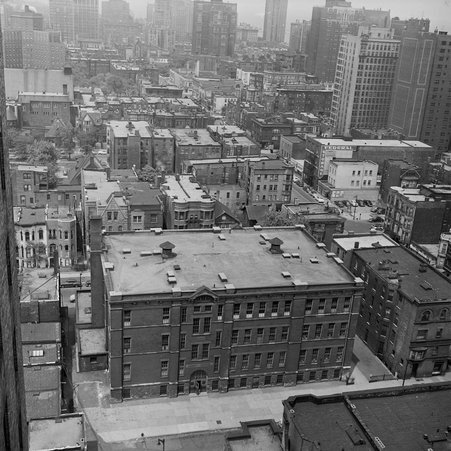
x=70 y=283
x=368 y=203
x=376 y=219
x=347 y=203
x=377 y=229
x=339 y=203
x=360 y=202
x=88 y=283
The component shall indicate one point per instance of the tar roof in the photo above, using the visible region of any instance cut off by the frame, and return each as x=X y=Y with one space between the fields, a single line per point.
x=41 y=378
x=103 y=188
x=41 y=332
x=40 y=354
x=183 y=189
x=365 y=241
x=92 y=341
x=140 y=193
x=425 y=285
x=56 y=433
x=243 y=256
x=198 y=137
x=29 y=216
x=370 y=142
x=84 y=307
x=123 y=129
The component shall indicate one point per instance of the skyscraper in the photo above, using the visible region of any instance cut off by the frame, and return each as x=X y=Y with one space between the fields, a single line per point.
x=214 y=28
x=13 y=427
x=298 y=36
x=275 y=20
x=364 y=79
x=329 y=23
x=75 y=18
x=422 y=90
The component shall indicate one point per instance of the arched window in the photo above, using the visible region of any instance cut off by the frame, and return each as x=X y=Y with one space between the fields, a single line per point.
x=426 y=315
x=443 y=314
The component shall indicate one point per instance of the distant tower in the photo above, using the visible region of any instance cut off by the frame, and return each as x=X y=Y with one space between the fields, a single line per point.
x=275 y=20
x=13 y=426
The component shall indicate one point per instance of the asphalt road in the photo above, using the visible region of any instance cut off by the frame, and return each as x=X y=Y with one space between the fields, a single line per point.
x=299 y=195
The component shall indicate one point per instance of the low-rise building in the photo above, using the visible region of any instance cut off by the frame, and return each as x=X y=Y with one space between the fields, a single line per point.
x=405 y=310
x=195 y=311
x=350 y=179
x=186 y=204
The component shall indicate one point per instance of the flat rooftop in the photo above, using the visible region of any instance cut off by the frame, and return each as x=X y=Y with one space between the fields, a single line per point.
x=84 y=307
x=184 y=190
x=370 y=142
x=365 y=241
x=41 y=332
x=198 y=137
x=226 y=130
x=56 y=433
x=92 y=341
x=40 y=354
x=397 y=421
x=426 y=285
x=159 y=133
x=102 y=188
x=243 y=256
x=413 y=194
x=124 y=129
x=228 y=160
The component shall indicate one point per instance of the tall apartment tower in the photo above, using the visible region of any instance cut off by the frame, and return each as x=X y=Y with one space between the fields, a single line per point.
x=13 y=427
x=275 y=20
x=364 y=79
x=420 y=109
x=75 y=18
x=329 y=24
x=298 y=36
x=214 y=28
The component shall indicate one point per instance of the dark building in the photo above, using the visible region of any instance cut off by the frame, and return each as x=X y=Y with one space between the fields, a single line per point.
x=13 y=427
x=422 y=90
x=400 y=26
x=329 y=23
x=398 y=173
x=298 y=36
x=275 y=20
x=214 y=28
x=369 y=420
x=255 y=315
x=405 y=311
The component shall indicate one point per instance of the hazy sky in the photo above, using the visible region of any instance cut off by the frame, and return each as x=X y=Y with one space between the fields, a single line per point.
x=252 y=11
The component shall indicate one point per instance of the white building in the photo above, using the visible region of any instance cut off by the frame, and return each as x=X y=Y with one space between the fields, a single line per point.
x=350 y=179
x=364 y=79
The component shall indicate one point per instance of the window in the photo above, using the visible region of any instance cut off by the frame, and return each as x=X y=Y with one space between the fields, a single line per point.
x=233 y=362
x=243 y=382
x=127 y=317
x=207 y=325
x=287 y=308
x=164 y=371
x=346 y=305
x=308 y=306
x=439 y=333
x=165 y=342
x=330 y=330
x=236 y=311
x=321 y=306
x=318 y=330
x=300 y=377
x=315 y=353
x=282 y=358
x=216 y=364
x=343 y=329
x=245 y=362
x=422 y=334
x=205 y=350
x=305 y=331
x=340 y=350
x=220 y=311
x=267 y=380
x=279 y=379
x=443 y=314
x=181 y=367
x=196 y=309
x=127 y=344
x=274 y=308
x=302 y=356
x=165 y=315
x=426 y=315
x=234 y=336
x=218 y=338
x=182 y=341
x=126 y=372
x=195 y=352
x=163 y=390
x=183 y=315
x=262 y=309
x=284 y=335
x=249 y=309
x=257 y=360
x=259 y=335
x=324 y=374
x=247 y=336
x=270 y=360
x=115 y=215
x=272 y=334
x=108 y=215
x=327 y=353
x=196 y=325
x=312 y=375
x=336 y=373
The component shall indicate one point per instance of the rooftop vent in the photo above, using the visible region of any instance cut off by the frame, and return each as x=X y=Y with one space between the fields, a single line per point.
x=126 y=251
x=286 y=255
x=167 y=249
x=330 y=255
x=314 y=260
x=177 y=267
x=286 y=274
x=145 y=253
x=426 y=286
x=423 y=267
x=320 y=245
x=257 y=227
x=221 y=237
x=275 y=245
x=222 y=277
x=109 y=266
x=296 y=255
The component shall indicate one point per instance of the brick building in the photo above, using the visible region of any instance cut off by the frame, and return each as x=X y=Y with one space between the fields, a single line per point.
x=254 y=315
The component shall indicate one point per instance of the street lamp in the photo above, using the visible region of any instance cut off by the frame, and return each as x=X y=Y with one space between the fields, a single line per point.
x=80 y=278
x=161 y=441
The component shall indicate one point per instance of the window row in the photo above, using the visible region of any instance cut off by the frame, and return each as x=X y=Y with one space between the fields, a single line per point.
x=328 y=330
x=324 y=355
x=259 y=335
x=257 y=361
x=323 y=305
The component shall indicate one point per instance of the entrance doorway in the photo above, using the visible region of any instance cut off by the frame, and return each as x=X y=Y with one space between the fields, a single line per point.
x=414 y=369
x=198 y=382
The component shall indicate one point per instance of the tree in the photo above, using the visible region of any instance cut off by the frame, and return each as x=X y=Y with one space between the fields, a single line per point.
x=44 y=153
x=148 y=174
x=275 y=218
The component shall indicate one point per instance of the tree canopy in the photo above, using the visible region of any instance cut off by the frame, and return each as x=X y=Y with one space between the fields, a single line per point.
x=275 y=218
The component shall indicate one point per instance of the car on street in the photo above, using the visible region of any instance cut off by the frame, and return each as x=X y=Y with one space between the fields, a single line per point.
x=347 y=203
x=377 y=229
x=376 y=219
x=339 y=203
x=360 y=202
x=368 y=203
x=88 y=283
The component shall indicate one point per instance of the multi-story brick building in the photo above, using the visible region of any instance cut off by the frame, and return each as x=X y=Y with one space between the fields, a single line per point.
x=14 y=429
x=399 y=173
x=199 y=311
x=405 y=311
x=162 y=150
x=26 y=181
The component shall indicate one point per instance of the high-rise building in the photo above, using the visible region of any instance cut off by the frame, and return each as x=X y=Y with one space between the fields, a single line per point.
x=329 y=23
x=117 y=24
x=75 y=18
x=422 y=90
x=364 y=79
x=26 y=20
x=298 y=36
x=214 y=28
x=13 y=427
x=275 y=20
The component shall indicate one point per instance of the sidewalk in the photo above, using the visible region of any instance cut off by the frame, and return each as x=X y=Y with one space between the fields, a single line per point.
x=159 y=417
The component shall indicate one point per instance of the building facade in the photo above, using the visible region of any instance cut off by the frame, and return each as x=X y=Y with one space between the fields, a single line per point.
x=239 y=325
x=13 y=426
x=364 y=80
x=214 y=28
x=298 y=36
x=275 y=20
